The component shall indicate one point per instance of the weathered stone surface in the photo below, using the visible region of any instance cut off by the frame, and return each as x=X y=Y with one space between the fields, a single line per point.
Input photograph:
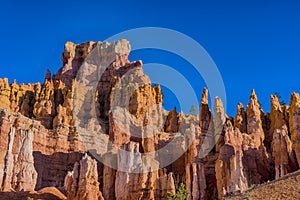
x=147 y=184
x=277 y=115
x=19 y=172
x=281 y=143
x=254 y=123
x=57 y=121
x=165 y=185
x=195 y=181
x=82 y=183
x=72 y=58
x=51 y=147
x=256 y=160
x=294 y=120
x=219 y=121
x=240 y=120
x=282 y=152
x=172 y=122
x=205 y=118
x=229 y=166
x=4 y=93
x=109 y=175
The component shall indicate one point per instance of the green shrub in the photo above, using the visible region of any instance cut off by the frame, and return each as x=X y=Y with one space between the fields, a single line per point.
x=180 y=193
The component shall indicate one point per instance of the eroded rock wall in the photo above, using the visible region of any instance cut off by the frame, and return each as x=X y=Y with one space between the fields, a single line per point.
x=45 y=129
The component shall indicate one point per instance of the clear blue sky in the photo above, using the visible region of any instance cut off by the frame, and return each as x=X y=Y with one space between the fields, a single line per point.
x=255 y=44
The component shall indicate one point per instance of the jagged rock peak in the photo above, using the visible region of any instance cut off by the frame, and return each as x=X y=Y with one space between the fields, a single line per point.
x=48 y=75
x=204 y=99
x=240 y=120
x=295 y=100
x=205 y=116
x=240 y=107
x=254 y=121
x=253 y=107
x=218 y=104
x=253 y=95
x=275 y=103
x=72 y=50
x=75 y=54
x=219 y=120
x=277 y=116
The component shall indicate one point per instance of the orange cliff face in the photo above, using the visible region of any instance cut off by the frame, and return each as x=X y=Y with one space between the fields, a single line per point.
x=44 y=141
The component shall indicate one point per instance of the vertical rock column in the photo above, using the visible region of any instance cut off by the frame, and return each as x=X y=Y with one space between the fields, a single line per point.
x=240 y=120
x=195 y=181
x=256 y=160
x=254 y=123
x=219 y=121
x=294 y=122
x=138 y=181
x=281 y=143
x=82 y=183
x=9 y=162
x=229 y=167
x=19 y=171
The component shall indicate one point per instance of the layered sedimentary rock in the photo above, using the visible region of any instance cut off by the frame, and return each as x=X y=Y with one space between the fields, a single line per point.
x=108 y=108
x=31 y=147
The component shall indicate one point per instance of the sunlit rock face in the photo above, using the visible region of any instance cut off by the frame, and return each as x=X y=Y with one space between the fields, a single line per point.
x=294 y=121
x=82 y=182
x=98 y=128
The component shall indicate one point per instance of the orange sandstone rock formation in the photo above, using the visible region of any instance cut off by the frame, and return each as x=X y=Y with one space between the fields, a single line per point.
x=49 y=138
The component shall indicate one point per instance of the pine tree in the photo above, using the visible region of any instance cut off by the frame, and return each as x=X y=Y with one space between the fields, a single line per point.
x=193 y=110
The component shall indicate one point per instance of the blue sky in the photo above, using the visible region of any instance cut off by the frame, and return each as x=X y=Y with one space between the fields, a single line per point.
x=255 y=44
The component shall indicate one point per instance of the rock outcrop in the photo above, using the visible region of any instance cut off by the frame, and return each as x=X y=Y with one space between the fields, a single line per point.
x=82 y=183
x=294 y=121
x=144 y=185
x=219 y=122
x=98 y=128
x=240 y=120
x=19 y=173
x=281 y=144
x=195 y=181
x=282 y=152
x=205 y=113
x=229 y=167
x=256 y=159
x=254 y=122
